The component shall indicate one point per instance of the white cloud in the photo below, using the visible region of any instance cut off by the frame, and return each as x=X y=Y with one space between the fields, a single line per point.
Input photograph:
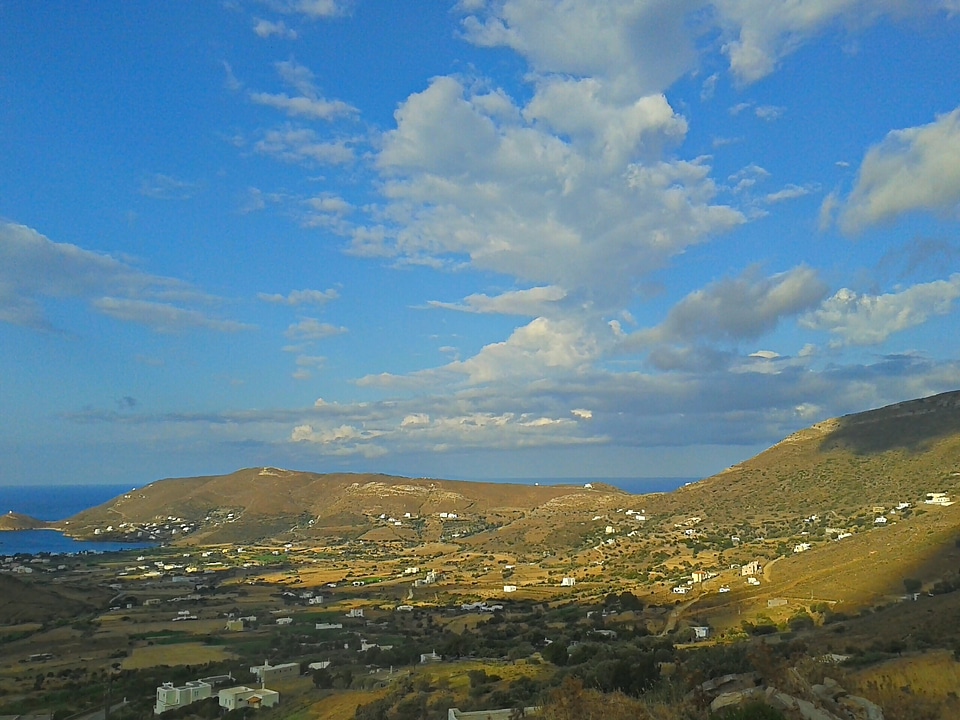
x=790 y=192
x=268 y=28
x=300 y=297
x=415 y=420
x=329 y=203
x=513 y=197
x=166 y=187
x=33 y=268
x=303 y=145
x=913 y=169
x=769 y=113
x=312 y=329
x=312 y=9
x=310 y=108
x=309 y=103
x=163 y=317
x=861 y=319
x=533 y=302
x=762 y=32
x=635 y=47
x=534 y=350
x=736 y=309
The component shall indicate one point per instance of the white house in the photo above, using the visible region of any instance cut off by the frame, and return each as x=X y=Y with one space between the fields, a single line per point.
x=355 y=613
x=241 y=697
x=322 y=665
x=170 y=697
x=509 y=588
x=284 y=620
x=801 y=547
x=430 y=657
x=751 y=568
x=681 y=590
x=568 y=582
x=701 y=632
x=880 y=520
x=329 y=626
x=938 y=498
x=270 y=673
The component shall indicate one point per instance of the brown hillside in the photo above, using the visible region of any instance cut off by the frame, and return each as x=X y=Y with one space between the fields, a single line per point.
x=259 y=503
x=25 y=602
x=16 y=521
x=877 y=458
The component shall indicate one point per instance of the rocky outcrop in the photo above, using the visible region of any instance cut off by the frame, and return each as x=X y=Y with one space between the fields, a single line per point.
x=823 y=701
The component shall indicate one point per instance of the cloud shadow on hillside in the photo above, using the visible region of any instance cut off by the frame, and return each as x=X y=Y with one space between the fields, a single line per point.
x=912 y=426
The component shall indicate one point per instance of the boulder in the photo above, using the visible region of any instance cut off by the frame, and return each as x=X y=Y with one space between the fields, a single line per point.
x=861 y=708
x=736 y=697
x=809 y=711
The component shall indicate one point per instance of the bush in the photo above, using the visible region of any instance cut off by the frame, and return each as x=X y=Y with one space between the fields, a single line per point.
x=751 y=711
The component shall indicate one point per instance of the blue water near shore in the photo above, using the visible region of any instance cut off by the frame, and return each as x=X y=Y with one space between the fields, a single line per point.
x=56 y=502
x=62 y=501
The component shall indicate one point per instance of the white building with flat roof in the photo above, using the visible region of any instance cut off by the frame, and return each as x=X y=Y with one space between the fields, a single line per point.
x=170 y=697
x=240 y=697
x=268 y=673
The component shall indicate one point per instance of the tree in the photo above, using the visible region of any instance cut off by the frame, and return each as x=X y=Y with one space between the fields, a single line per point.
x=556 y=653
x=912 y=585
x=322 y=679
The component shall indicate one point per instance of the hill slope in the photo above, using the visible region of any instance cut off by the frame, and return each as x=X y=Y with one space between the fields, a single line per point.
x=260 y=503
x=846 y=466
x=13 y=521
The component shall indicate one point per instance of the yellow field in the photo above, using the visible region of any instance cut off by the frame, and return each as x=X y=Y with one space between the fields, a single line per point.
x=914 y=687
x=181 y=654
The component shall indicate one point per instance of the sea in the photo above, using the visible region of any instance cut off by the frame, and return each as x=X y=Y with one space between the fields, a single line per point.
x=58 y=502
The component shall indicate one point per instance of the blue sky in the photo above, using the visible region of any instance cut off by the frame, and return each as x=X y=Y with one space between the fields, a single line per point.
x=485 y=239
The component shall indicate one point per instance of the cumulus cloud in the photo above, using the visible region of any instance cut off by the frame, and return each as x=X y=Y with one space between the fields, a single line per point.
x=862 y=319
x=309 y=103
x=311 y=108
x=634 y=47
x=166 y=187
x=763 y=32
x=163 y=317
x=268 y=28
x=311 y=9
x=534 y=350
x=533 y=302
x=512 y=196
x=33 y=269
x=641 y=46
x=312 y=329
x=421 y=432
x=303 y=145
x=300 y=297
x=790 y=192
x=913 y=169
x=735 y=309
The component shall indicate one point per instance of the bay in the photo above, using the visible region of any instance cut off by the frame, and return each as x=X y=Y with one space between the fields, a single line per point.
x=56 y=502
